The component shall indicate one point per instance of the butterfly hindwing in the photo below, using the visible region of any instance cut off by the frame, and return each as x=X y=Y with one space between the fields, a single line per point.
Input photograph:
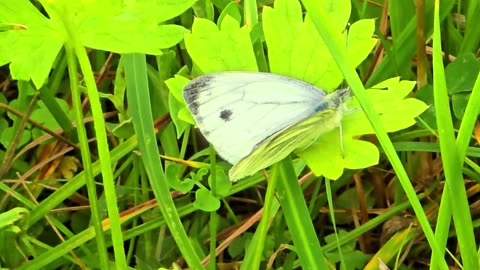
x=296 y=137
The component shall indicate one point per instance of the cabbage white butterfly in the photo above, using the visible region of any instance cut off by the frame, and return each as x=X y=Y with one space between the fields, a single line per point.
x=255 y=119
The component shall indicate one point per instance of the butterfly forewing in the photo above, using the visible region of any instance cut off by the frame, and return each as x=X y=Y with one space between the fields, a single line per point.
x=236 y=111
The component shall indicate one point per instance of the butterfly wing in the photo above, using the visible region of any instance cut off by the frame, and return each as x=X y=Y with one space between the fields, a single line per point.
x=236 y=111
x=296 y=137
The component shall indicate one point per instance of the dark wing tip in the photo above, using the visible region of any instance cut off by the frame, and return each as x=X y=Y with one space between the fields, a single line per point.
x=192 y=90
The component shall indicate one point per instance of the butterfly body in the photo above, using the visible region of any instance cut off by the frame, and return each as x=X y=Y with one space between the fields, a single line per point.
x=255 y=119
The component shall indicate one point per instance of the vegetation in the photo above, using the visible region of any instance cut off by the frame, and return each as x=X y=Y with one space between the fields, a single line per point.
x=102 y=167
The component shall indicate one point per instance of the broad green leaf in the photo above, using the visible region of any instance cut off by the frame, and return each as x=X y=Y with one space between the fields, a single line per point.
x=232 y=11
x=204 y=200
x=128 y=35
x=462 y=73
x=122 y=130
x=213 y=49
x=159 y=10
x=223 y=185
x=339 y=11
x=7 y=135
x=32 y=48
x=184 y=185
x=296 y=49
x=459 y=104
x=181 y=117
x=11 y=216
x=460 y=76
x=133 y=27
x=42 y=115
x=360 y=41
x=325 y=157
x=429 y=117
x=239 y=244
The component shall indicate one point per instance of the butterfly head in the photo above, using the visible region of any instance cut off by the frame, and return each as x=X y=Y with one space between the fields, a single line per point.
x=340 y=96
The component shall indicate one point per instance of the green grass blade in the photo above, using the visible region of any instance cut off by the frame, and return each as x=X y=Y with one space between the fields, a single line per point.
x=255 y=251
x=321 y=22
x=139 y=100
x=472 y=33
x=86 y=159
x=298 y=217
x=407 y=48
x=452 y=165
x=104 y=155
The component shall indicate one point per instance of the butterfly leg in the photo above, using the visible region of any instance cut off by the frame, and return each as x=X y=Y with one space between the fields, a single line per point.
x=341 y=140
x=351 y=110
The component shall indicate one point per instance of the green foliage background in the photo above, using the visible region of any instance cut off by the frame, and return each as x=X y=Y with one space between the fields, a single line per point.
x=83 y=185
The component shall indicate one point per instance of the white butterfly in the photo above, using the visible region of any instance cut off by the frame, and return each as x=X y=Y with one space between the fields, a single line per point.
x=255 y=119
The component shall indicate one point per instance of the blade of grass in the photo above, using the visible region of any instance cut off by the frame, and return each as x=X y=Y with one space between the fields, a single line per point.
x=298 y=217
x=255 y=250
x=452 y=164
x=60 y=116
x=139 y=101
x=83 y=238
x=24 y=105
x=472 y=32
x=213 y=215
x=104 y=155
x=332 y=42
x=328 y=189
x=407 y=49
x=75 y=183
x=354 y=234
x=251 y=21
x=74 y=47
x=86 y=157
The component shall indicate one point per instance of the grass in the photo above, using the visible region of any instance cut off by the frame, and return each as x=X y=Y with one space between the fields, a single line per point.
x=102 y=168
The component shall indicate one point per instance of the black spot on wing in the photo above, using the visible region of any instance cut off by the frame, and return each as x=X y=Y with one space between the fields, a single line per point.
x=226 y=115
